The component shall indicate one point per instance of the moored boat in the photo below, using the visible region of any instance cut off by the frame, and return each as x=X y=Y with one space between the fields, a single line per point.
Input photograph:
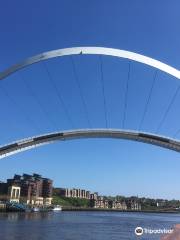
x=35 y=209
x=57 y=208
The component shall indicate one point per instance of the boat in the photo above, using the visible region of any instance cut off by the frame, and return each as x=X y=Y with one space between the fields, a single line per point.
x=35 y=209
x=57 y=208
x=14 y=206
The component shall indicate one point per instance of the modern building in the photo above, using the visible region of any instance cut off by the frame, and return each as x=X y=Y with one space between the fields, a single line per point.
x=14 y=193
x=74 y=193
x=95 y=200
x=9 y=193
x=30 y=189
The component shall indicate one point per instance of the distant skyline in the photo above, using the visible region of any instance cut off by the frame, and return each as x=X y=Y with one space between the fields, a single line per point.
x=30 y=104
x=91 y=191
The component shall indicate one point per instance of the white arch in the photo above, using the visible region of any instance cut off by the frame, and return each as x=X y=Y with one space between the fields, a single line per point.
x=37 y=141
x=92 y=50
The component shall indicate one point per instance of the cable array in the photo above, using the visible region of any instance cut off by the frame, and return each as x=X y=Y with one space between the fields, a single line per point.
x=63 y=105
x=126 y=95
x=168 y=109
x=80 y=90
x=103 y=90
x=58 y=93
x=148 y=100
x=46 y=114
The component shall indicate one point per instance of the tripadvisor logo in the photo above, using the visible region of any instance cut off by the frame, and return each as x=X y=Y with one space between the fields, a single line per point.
x=139 y=231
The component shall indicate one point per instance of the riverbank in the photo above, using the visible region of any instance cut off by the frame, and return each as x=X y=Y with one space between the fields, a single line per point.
x=4 y=208
x=77 y=209
x=117 y=210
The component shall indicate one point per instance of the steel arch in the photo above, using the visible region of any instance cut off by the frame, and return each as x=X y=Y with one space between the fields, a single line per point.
x=92 y=50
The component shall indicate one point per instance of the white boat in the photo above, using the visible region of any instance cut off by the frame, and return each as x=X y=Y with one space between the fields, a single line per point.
x=35 y=209
x=57 y=208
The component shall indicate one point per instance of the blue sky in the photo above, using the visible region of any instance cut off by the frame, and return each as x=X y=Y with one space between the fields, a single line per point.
x=29 y=105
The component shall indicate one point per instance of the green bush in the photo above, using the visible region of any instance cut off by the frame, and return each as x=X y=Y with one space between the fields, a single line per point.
x=73 y=202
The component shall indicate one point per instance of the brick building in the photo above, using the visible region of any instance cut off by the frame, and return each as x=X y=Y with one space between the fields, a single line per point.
x=34 y=189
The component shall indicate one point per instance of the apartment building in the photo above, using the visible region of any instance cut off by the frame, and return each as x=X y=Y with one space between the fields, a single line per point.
x=30 y=189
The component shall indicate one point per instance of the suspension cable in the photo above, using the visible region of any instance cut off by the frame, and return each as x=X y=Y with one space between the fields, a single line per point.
x=58 y=93
x=176 y=133
x=103 y=90
x=168 y=109
x=148 y=100
x=80 y=90
x=32 y=93
x=126 y=94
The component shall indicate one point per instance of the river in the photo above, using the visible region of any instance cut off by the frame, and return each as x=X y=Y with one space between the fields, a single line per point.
x=82 y=225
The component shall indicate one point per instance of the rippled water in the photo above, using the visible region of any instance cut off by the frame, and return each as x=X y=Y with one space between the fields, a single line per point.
x=81 y=225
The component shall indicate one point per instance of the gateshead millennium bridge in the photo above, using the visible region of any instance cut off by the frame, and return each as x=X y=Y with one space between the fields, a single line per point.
x=36 y=141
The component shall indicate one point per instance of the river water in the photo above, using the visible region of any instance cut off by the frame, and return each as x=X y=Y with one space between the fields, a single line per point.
x=82 y=225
